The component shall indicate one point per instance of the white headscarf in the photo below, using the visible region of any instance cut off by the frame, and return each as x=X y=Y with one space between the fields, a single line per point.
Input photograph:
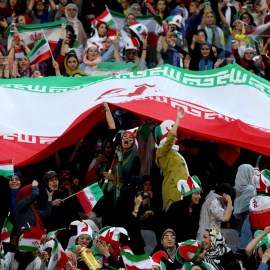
x=73 y=20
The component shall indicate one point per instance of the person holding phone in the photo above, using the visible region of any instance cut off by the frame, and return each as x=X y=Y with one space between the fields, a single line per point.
x=4 y=64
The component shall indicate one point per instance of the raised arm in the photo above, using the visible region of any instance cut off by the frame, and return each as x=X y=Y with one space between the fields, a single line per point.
x=52 y=4
x=116 y=52
x=144 y=50
x=31 y=5
x=164 y=44
x=180 y=116
x=251 y=246
x=56 y=68
x=109 y=116
x=222 y=17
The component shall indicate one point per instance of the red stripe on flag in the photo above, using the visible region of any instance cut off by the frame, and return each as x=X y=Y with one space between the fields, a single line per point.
x=4 y=235
x=62 y=261
x=42 y=57
x=84 y=201
x=8 y=161
x=135 y=268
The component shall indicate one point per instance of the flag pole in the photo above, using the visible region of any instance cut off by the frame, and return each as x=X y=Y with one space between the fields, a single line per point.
x=48 y=44
x=106 y=180
x=69 y=196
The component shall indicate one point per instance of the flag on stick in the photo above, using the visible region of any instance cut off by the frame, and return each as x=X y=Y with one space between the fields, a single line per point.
x=6 y=230
x=40 y=52
x=6 y=168
x=89 y=196
x=58 y=257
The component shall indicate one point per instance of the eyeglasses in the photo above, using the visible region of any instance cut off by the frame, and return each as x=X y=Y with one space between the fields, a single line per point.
x=169 y=237
x=249 y=52
x=72 y=9
x=84 y=238
x=138 y=9
x=246 y=17
x=132 y=53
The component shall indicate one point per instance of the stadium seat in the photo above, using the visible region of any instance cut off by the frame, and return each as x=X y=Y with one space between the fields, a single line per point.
x=150 y=240
x=232 y=238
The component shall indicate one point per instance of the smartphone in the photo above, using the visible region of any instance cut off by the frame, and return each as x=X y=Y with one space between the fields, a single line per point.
x=47 y=186
x=207 y=4
x=71 y=36
x=17 y=38
x=19 y=55
x=12 y=27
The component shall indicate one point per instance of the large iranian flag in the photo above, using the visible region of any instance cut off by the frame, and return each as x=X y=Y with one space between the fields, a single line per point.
x=40 y=52
x=136 y=262
x=152 y=26
x=89 y=196
x=226 y=105
x=32 y=33
x=259 y=32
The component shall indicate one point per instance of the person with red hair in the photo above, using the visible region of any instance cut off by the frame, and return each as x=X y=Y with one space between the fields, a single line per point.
x=24 y=19
x=24 y=211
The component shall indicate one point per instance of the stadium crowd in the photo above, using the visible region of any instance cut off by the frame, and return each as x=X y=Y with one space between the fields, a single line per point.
x=161 y=190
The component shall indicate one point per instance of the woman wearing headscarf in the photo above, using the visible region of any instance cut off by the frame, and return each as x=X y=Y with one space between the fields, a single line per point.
x=71 y=12
x=161 y=9
x=23 y=260
x=129 y=20
x=100 y=163
x=24 y=211
x=135 y=9
x=168 y=244
x=186 y=225
x=218 y=254
x=192 y=252
x=72 y=65
x=207 y=58
x=217 y=208
x=72 y=261
x=245 y=191
x=99 y=36
x=214 y=32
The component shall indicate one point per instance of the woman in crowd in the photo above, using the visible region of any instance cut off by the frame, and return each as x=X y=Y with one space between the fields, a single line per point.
x=161 y=9
x=168 y=244
x=39 y=13
x=192 y=252
x=189 y=208
x=224 y=58
x=245 y=191
x=71 y=12
x=218 y=254
x=72 y=65
x=72 y=261
x=24 y=211
x=24 y=260
x=257 y=251
x=24 y=19
x=99 y=35
x=135 y=9
x=217 y=208
x=207 y=58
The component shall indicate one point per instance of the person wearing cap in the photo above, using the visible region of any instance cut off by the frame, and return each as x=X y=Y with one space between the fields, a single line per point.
x=257 y=253
x=171 y=163
x=192 y=252
x=259 y=206
x=189 y=207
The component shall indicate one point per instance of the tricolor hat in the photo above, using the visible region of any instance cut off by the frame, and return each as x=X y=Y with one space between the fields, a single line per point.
x=176 y=20
x=112 y=234
x=139 y=29
x=189 y=186
x=188 y=251
x=156 y=258
x=132 y=44
x=132 y=132
x=163 y=129
x=264 y=241
x=83 y=228
x=262 y=181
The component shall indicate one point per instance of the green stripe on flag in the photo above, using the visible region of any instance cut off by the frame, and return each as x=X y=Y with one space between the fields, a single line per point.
x=6 y=173
x=135 y=258
x=144 y=17
x=9 y=226
x=27 y=248
x=115 y=67
x=96 y=191
x=110 y=23
x=27 y=27
x=38 y=45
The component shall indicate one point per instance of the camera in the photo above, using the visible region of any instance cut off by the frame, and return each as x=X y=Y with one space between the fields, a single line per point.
x=146 y=196
x=12 y=27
